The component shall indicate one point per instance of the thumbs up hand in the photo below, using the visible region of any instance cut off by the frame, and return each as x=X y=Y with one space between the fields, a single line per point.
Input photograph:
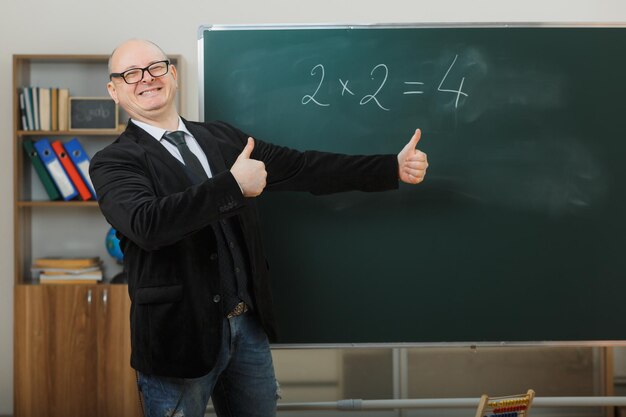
x=412 y=163
x=249 y=173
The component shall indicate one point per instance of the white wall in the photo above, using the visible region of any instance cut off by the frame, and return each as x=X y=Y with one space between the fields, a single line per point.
x=78 y=26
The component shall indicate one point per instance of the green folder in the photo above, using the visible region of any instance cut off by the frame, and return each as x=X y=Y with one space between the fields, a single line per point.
x=41 y=170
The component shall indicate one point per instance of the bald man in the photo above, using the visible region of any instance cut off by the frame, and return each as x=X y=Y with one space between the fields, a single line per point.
x=181 y=196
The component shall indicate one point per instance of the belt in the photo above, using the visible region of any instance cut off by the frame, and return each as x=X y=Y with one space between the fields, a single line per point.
x=239 y=309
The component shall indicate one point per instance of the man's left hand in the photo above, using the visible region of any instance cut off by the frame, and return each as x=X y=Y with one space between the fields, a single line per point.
x=412 y=163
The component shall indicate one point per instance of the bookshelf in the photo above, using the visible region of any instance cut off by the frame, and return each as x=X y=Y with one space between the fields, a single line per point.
x=66 y=333
x=49 y=228
x=59 y=228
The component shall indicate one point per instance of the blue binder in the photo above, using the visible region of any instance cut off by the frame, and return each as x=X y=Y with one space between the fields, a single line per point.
x=53 y=165
x=80 y=158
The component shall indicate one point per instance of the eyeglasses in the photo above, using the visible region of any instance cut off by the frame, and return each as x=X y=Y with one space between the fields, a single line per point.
x=134 y=75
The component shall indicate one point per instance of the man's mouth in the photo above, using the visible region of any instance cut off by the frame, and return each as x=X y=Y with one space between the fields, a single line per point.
x=150 y=91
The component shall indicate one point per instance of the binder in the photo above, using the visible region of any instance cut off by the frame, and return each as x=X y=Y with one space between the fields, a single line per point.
x=53 y=165
x=41 y=171
x=71 y=171
x=80 y=159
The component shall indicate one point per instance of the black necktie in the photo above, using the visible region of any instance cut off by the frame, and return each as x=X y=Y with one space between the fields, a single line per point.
x=177 y=139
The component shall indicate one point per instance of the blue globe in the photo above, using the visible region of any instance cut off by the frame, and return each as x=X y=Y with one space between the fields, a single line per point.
x=113 y=246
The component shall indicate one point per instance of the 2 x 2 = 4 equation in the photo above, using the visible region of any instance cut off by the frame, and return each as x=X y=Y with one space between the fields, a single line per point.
x=411 y=87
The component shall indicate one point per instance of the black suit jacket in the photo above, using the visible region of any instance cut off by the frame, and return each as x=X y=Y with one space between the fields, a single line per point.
x=170 y=252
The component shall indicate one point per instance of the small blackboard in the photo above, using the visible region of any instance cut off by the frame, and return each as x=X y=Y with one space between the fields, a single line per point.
x=93 y=113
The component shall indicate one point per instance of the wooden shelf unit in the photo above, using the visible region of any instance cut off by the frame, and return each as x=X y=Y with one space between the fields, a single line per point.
x=72 y=341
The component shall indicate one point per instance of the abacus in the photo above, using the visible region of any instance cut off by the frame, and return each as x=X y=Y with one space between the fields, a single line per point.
x=508 y=406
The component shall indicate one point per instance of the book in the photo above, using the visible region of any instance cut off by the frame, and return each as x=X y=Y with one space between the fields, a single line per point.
x=71 y=170
x=70 y=281
x=28 y=104
x=35 y=101
x=63 y=269
x=44 y=109
x=40 y=169
x=23 y=117
x=80 y=159
x=65 y=262
x=71 y=271
x=56 y=171
x=97 y=275
x=64 y=102
x=54 y=109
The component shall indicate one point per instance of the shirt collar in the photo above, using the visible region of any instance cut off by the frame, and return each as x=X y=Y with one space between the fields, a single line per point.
x=157 y=132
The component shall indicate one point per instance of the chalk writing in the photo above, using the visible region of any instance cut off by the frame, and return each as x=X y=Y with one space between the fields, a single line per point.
x=308 y=98
x=344 y=87
x=366 y=99
x=88 y=112
x=381 y=71
x=458 y=92
x=413 y=91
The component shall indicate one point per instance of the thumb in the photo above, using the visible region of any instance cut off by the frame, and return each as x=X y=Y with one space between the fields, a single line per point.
x=247 y=151
x=416 y=138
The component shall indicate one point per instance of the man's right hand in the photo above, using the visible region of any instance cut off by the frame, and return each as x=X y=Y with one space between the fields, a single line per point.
x=249 y=173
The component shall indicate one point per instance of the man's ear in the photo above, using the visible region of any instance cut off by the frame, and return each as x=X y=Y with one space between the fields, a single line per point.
x=112 y=91
x=174 y=73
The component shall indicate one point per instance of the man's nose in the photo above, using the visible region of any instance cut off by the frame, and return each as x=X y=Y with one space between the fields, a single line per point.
x=147 y=75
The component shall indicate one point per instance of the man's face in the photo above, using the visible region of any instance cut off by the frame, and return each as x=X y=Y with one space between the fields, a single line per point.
x=152 y=98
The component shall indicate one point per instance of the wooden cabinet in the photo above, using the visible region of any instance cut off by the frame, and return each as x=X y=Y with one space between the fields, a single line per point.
x=72 y=342
x=72 y=351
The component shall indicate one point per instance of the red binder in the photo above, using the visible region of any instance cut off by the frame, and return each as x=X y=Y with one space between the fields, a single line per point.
x=69 y=167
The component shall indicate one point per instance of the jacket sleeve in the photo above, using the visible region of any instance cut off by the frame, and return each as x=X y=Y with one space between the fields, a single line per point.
x=321 y=172
x=130 y=202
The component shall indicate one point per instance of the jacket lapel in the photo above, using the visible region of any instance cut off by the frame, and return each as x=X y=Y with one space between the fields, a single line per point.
x=209 y=146
x=157 y=152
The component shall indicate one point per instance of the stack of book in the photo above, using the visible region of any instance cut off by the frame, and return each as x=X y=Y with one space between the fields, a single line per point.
x=68 y=270
x=63 y=168
x=44 y=108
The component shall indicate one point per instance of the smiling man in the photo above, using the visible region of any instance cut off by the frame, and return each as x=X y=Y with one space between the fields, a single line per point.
x=180 y=194
x=148 y=102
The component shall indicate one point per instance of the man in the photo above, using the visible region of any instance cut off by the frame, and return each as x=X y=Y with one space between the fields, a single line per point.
x=183 y=205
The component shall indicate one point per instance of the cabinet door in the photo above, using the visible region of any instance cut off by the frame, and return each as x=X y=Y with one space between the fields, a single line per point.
x=55 y=350
x=117 y=383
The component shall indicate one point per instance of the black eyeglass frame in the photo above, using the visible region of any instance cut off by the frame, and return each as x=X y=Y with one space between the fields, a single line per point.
x=122 y=75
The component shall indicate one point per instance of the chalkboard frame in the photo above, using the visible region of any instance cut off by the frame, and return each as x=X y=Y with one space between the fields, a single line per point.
x=111 y=122
x=471 y=344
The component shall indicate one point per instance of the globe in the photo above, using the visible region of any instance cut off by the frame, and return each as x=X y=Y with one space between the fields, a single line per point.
x=113 y=246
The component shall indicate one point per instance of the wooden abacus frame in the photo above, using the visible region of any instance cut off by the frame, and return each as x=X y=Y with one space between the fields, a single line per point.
x=507 y=406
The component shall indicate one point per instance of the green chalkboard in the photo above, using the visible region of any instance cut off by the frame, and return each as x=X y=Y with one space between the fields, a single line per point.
x=518 y=232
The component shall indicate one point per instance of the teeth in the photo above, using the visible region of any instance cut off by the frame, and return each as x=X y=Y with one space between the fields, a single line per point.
x=149 y=91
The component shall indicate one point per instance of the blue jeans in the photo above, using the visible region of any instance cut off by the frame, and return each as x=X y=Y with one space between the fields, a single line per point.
x=242 y=383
